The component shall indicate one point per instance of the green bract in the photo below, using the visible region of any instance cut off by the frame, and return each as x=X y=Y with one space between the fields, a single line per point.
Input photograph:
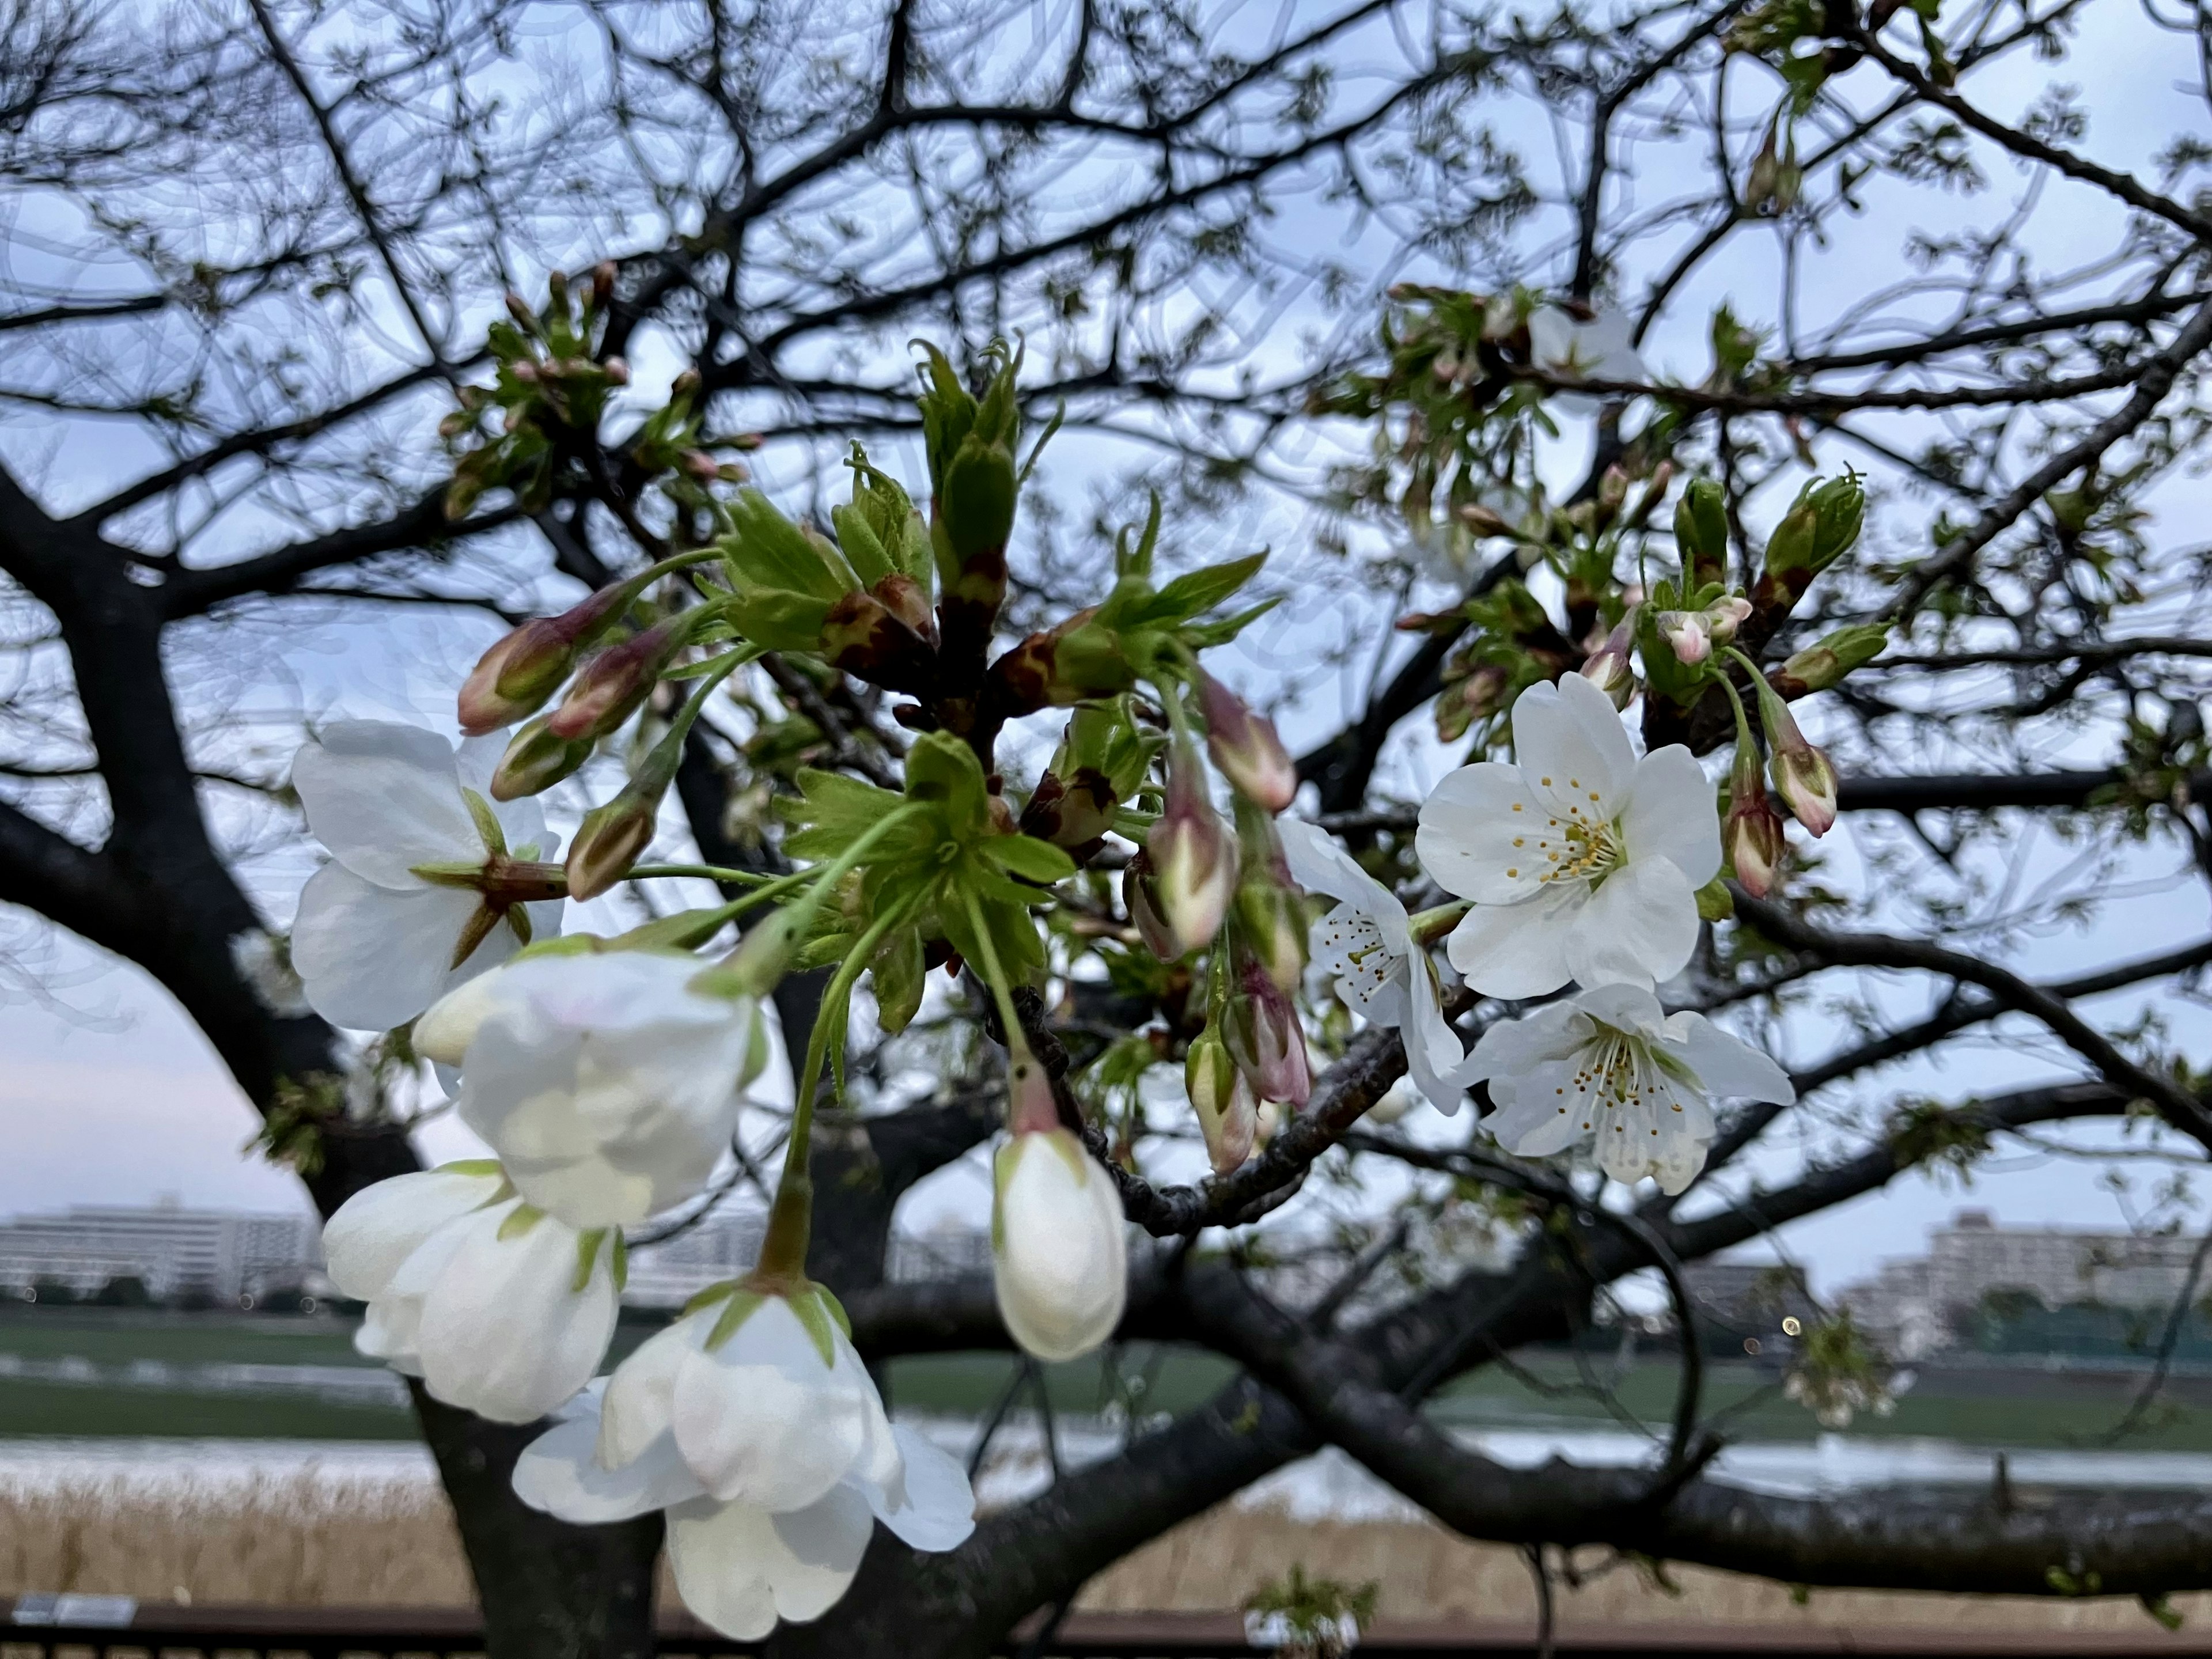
x=953 y=860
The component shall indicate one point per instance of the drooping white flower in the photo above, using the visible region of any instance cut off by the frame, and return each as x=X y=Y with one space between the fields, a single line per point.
x=608 y=1086
x=1603 y=349
x=1584 y=862
x=375 y=942
x=770 y=1451
x=498 y=1308
x=1610 y=1066
x=1059 y=1257
x=1366 y=945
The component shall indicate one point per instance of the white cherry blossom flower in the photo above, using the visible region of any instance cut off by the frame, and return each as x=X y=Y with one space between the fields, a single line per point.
x=498 y=1308
x=1365 y=946
x=1059 y=1255
x=773 y=1463
x=1584 y=862
x=375 y=942
x=1609 y=1065
x=607 y=1085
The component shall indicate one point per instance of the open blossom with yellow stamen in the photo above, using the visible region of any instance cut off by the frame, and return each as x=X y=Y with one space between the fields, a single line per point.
x=1584 y=862
x=1610 y=1066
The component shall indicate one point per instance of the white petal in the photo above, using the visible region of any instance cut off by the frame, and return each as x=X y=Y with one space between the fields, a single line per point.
x=1482 y=833
x=385 y=797
x=1640 y=926
x=1059 y=1255
x=388 y=1331
x=505 y=1332
x=372 y=957
x=1728 y=1066
x=761 y=1420
x=1434 y=1054
x=444 y=1030
x=1624 y=1007
x=381 y=1226
x=607 y=1087
x=1320 y=865
x=1539 y=1122
x=1572 y=749
x=558 y=1474
x=1517 y=950
x=639 y=1406
x=1510 y=1047
x=739 y=1568
x=939 y=1509
x=1673 y=812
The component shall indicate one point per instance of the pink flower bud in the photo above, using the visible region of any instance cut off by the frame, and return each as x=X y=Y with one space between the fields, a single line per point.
x=1262 y=1035
x=1228 y=1116
x=1607 y=667
x=609 y=840
x=514 y=678
x=1724 y=617
x=1244 y=746
x=1751 y=835
x=535 y=761
x=1270 y=908
x=1803 y=775
x=610 y=687
x=1193 y=854
x=1686 y=634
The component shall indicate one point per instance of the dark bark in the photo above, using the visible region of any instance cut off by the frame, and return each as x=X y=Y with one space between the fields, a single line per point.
x=549 y=1590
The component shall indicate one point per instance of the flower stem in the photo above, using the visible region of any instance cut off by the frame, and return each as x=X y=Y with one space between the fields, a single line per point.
x=783 y=1247
x=1009 y=1022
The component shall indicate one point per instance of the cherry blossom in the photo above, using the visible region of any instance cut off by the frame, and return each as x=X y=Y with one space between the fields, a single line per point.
x=1609 y=1065
x=754 y=1424
x=1365 y=946
x=377 y=940
x=607 y=1084
x=1584 y=862
x=499 y=1308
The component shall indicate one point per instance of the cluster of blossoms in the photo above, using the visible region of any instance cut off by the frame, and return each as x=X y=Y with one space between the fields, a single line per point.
x=608 y=1075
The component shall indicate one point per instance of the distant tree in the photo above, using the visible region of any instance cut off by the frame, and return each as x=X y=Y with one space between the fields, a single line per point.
x=253 y=260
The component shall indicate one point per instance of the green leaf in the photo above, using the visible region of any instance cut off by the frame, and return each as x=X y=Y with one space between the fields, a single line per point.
x=941 y=767
x=1199 y=591
x=1030 y=859
x=900 y=972
x=779 y=618
x=768 y=551
x=1204 y=637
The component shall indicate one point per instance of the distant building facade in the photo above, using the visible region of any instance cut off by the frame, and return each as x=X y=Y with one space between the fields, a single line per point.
x=181 y=1255
x=176 y=1254
x=1918 y=1305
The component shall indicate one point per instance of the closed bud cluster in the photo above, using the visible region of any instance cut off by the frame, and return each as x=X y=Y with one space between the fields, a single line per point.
x=1244 y=746
x=612 y=685
x=1701 y=532
x=1193 y=856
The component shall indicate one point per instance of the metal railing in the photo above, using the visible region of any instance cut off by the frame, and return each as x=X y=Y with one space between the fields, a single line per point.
x=119 y=1631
